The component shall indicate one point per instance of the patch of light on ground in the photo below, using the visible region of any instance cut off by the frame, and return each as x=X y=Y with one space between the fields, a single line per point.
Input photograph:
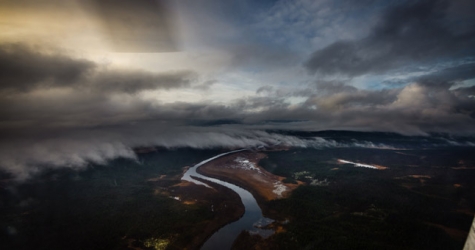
x=279 y=188
x=157 y=243
x=246 y=164
x=357 y=164
x=175 y=198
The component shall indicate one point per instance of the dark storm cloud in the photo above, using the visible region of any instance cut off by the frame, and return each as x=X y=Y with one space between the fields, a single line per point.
x=70 y=109
x=332 y=87
x=468 y=91
x=41 y=90
x=83 y=110
x=132 y=81
x=415 y=109
x=466 y=103
x=260 y=103
x=410 y=34
x=23 y=69
x=341 y=97
x=450 y=75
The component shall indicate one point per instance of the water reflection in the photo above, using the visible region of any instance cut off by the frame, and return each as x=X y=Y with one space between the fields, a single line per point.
x=252 y=220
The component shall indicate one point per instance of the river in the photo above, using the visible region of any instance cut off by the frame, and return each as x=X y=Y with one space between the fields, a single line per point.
x=250 y=221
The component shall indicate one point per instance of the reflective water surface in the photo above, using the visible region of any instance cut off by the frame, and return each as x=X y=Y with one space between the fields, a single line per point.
x=251 y=221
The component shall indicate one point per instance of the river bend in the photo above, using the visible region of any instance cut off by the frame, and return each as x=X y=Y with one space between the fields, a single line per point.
x=250 y=221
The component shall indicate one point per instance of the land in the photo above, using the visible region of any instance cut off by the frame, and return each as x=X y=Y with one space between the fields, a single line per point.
x=242 y=169
x=423 y=199
x=224 y=203
x=429 y=206
x=120 y=206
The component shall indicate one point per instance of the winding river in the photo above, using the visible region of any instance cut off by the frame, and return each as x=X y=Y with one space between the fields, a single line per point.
x=250 y=221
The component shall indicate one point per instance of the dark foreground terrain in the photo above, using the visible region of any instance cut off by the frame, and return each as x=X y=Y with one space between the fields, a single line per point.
x=423 y=199
x=124 y=205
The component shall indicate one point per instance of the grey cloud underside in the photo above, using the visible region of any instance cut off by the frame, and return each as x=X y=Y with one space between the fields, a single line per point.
x=449 y=76
x=23 y=69
x=38 y=135
x=414 y=33
x=96 y=96
x=417 y=108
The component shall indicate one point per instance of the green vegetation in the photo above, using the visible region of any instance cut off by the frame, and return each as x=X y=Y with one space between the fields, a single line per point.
x=373 y=209
x=289 y=180
x=157 y=244
x=341 y=207
x=103 y=207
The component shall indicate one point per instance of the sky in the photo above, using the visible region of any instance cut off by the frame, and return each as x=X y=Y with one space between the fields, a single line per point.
x=87 y=81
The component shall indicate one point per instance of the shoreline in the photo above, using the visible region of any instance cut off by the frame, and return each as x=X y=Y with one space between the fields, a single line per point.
x=258 y=181
x=239 y=168
x=239 y=212
x=225 y=204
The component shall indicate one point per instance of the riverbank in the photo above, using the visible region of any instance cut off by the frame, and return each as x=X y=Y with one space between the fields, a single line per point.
x=242 y=169
x=223 y=206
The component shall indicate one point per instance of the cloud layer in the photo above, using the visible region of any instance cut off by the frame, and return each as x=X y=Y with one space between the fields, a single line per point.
x=408 y=35
x=23 y=157
x=67 y=99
